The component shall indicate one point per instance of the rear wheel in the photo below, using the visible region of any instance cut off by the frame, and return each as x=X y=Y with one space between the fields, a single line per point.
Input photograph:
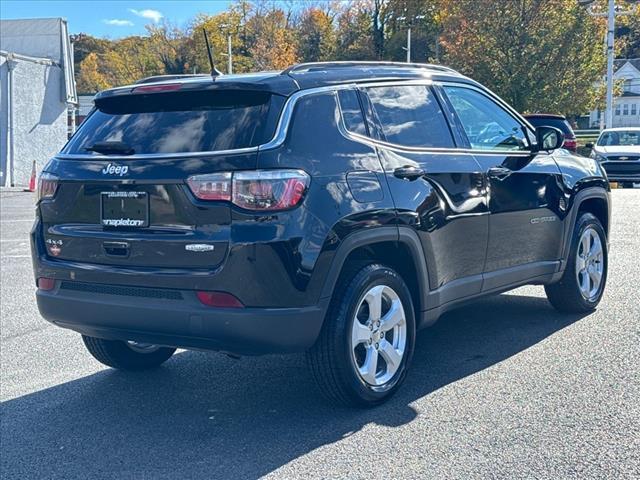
x=127 y=355
x=367 y=340
x=582 y=284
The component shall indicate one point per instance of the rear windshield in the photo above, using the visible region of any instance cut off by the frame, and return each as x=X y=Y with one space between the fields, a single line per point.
x=182 y=122
x=559 y=123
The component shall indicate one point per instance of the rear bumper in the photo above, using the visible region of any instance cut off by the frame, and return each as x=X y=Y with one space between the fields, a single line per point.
x=182 y=322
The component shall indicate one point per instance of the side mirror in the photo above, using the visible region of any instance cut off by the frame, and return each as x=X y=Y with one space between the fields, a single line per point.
x=588 y=145
x=549 y=138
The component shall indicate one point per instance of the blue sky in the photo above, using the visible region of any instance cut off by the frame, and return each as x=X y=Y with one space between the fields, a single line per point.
x=111 y=19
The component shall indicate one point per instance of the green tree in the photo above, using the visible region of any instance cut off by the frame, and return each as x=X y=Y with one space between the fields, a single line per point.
x=354 y=33
x=421 y=17
x=540 y=55
x=316 y=36
x=628 y=35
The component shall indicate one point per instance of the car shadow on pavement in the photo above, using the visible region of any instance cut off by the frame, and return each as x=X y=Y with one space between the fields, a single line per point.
x=206 y=415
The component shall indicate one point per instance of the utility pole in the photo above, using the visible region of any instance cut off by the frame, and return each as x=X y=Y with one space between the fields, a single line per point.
x=230 y=58
x=229 y=52
x=612 y=11
x=409 y=24
x=611 y=25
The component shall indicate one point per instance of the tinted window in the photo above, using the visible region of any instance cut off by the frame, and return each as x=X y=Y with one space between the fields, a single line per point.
x=487 y=125
x=180 y=122
x=351 y=111
x=411 y=116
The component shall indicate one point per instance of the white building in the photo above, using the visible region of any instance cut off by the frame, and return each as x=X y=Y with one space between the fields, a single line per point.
x=626 y=107
x=36 y=88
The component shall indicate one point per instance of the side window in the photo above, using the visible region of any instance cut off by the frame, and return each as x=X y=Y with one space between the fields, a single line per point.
x=351 y=111
x=487 y=125
x=411 y=116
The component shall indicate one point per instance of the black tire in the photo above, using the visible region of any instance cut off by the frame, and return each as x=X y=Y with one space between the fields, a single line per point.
x=626 y=184
x=332 y=360
x=120 y=355
x=566 y=295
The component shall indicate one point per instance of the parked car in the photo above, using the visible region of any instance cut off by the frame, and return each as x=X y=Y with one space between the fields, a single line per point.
x=558 y=121
x=332 y=208
x=618 y=151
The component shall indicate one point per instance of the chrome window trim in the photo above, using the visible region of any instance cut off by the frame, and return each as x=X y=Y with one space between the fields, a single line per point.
x=141 y=156
x=402 y=148
x=286 y=115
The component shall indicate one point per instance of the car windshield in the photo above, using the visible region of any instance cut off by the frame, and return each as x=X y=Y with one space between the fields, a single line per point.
x=622 y=138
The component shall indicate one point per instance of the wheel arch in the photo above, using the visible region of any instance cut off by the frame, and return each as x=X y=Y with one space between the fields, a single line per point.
x=593 y=200
x=396 y=247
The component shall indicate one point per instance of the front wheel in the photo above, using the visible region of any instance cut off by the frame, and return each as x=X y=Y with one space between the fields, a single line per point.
x=367 y=340
x=581 y=287
x=127 y=355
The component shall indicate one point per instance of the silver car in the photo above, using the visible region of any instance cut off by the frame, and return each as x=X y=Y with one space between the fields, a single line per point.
x=618 y=151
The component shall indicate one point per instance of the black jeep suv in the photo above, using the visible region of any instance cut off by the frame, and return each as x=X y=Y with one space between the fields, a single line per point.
x=332 y=208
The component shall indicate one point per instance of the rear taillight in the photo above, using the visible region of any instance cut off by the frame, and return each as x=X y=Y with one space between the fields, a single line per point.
x=219 y=299
x=259 y=190
x=47 y=186
x=215 y=186
x=45 y=283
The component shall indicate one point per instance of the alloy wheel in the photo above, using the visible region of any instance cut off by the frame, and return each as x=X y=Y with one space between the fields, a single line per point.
x=590 y=264
x=379 y=335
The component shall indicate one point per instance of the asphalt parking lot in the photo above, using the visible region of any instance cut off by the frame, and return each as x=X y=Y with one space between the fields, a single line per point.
x=506 y=388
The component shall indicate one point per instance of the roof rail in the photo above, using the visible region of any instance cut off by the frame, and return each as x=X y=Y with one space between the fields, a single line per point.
x=160 y=78
x=347 y=64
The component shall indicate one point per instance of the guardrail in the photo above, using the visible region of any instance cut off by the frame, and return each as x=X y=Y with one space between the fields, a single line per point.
x=586 y=136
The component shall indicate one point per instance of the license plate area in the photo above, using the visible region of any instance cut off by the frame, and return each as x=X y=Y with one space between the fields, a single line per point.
x=124 y=209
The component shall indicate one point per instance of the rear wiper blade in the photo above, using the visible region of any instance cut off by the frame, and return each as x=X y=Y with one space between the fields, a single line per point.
x=111 y=148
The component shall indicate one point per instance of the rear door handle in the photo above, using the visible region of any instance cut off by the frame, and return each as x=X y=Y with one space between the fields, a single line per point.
x=408 y=172
x=499 y=172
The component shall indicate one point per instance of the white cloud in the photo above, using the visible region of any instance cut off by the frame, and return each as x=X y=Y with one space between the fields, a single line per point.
x=154 y=15
x=116 y=22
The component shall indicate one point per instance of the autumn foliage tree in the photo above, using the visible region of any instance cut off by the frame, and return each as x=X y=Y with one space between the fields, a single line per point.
x=540 y=55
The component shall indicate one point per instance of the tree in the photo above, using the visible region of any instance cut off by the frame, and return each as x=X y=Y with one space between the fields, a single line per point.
x=540 y=55
x=354 y=33
x=316 y=36
x=271 y=39
x=628 y=35
x=90 y=79
x=172 y=47
x=421 y=17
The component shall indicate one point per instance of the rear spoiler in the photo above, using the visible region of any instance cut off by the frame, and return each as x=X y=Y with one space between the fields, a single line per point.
x=281 y=85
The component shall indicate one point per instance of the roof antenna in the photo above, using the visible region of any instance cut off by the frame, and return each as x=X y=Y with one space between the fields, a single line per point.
x=214 y=71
